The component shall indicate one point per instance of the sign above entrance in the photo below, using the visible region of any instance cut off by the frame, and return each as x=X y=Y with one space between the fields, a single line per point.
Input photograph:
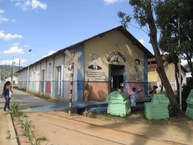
x=116 y=57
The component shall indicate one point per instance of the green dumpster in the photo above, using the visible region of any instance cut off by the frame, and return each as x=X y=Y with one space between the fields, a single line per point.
x=157 y=108
x=189 y=101
x=118 y=105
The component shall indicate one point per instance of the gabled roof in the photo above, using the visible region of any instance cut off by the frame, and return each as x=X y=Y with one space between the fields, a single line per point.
x=119 y=28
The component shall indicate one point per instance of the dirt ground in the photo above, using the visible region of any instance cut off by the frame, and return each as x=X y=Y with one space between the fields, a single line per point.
x=4 y=128
x=61 y=129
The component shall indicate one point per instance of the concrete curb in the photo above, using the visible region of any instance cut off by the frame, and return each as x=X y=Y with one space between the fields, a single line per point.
x=13 y=138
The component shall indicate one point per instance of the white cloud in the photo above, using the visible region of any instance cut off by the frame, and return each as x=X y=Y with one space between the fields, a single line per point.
x=22 y=61
x=14 y=50
x=1 y=11
x=9 y=36
x=111 y=1
x=26 y=5
x=6 y=62
x=141 y=41
x=50 y=53
x=35 y=4
x=30 y=4
x=17 y=61
x=2 y=19
x=13 y=20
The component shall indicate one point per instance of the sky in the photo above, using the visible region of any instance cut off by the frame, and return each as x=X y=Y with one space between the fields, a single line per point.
x=46 y=26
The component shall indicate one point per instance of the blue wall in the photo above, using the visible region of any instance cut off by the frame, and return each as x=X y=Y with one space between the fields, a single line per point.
x=79 y=76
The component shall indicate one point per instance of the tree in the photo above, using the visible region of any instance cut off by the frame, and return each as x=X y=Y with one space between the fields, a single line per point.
x=144 y=14
x=175 y=22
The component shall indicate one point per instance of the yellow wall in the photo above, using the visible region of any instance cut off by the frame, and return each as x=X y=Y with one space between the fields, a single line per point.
x=103 y=46
x=170 y=72
x=153 y=76
x=102 y=49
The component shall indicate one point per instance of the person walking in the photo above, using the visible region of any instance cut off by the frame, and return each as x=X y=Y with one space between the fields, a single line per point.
x=7 y=91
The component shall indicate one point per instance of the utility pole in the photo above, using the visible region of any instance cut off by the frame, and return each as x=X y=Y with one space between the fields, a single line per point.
x=0 y=75
x=179 y=67
x=12 y=71
x=19 y=64
x=28 y=77
x=5 y=71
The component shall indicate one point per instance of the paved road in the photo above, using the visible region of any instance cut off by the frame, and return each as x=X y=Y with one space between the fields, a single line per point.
x=29 y=102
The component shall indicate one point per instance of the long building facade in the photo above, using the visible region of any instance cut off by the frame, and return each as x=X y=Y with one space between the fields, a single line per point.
x=109 y=61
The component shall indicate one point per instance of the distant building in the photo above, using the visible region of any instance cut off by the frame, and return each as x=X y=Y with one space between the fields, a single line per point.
x=15 y=80
x=109 y=61
x=153 y=76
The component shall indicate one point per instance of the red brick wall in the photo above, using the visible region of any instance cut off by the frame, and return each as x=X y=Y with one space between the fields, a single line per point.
x=48 y=87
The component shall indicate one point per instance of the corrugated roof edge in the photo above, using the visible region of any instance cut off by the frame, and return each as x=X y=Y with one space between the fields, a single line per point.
x=119 y=28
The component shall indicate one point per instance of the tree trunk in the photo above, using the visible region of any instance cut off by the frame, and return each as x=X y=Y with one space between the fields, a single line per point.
x=165 y=81
x=177 y=76
x=160 y=67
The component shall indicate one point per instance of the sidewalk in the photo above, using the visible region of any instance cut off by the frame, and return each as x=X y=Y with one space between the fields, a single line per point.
x=25 y=100
x=29 y=102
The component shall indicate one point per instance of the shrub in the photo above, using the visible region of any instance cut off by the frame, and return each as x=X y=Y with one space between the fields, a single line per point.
x=16 y=111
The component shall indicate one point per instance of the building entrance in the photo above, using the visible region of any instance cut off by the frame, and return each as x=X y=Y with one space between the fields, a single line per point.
x=116 y=77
